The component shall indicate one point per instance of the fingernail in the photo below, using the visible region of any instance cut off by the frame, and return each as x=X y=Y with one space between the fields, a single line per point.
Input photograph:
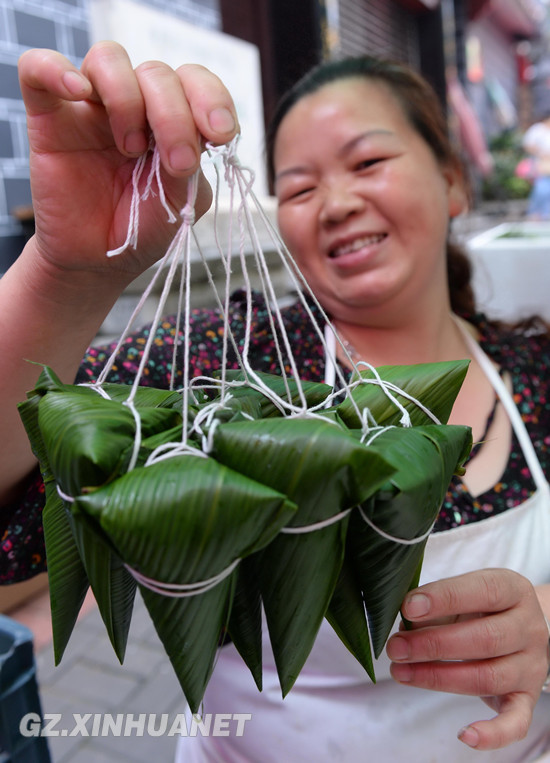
x=402 y=673
x=416 y=605
x=221 y=120
x=75 y=82
x=398 y=649
x=183 y=157
x=135 y=142
x=469 y=736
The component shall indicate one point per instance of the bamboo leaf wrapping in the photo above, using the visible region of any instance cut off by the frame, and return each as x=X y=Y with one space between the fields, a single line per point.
x=245 y=623
x=68 y=581
x=325 y=471
x=347 y=615
x=185 y=519
x=434 y=384
x=424 y=458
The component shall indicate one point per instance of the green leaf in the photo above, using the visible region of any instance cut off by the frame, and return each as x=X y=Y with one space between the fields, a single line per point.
x=435 y=385
x=406 y=508
x=86 y=437
x=145 y=397
x=346 y=614
x=181 y=521
x=68 y=582
x=67 y=579
x=113 y=587
x=189 y=630
x=245 y=622
x=315 y=393
x=324 y=470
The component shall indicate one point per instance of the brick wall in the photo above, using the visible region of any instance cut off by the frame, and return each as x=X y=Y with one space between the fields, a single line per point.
x=63 y=25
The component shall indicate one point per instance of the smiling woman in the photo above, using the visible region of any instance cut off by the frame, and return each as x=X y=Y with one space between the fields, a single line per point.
x=367 y=184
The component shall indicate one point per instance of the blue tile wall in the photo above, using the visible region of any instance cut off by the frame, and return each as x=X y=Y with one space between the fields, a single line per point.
x=34 y=32
x=63 y=25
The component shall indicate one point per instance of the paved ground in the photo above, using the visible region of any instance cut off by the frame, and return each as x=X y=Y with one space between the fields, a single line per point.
x=90 y=680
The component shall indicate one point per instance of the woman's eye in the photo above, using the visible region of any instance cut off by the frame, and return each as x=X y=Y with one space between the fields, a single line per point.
x=296 y=193
x=366 y=163
x=301 y=191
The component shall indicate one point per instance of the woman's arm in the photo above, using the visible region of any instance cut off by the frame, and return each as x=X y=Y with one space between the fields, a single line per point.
x=86 y=128
x=483 y=634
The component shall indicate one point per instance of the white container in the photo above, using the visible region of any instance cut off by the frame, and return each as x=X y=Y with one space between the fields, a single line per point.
x=511 y=270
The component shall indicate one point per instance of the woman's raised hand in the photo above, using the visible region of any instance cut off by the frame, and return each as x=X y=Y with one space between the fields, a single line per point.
x=86 y=128
x=483 y=634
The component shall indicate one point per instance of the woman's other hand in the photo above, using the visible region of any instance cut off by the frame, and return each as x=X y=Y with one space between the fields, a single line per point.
x=482 y=634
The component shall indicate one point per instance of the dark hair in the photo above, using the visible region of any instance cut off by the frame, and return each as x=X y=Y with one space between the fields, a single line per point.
x=422 y=108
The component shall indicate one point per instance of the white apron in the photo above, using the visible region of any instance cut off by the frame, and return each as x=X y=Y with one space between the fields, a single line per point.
x=334 y=713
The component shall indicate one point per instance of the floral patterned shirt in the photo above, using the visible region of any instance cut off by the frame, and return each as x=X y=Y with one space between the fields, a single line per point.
x=525 y=356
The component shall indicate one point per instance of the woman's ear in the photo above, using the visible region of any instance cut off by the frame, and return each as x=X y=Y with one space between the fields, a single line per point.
x=457 y=193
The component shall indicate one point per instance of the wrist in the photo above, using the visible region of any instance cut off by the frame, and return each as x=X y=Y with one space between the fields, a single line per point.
x=82 y=293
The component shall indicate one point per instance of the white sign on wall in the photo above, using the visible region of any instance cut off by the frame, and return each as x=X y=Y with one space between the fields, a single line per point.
x=149 y=34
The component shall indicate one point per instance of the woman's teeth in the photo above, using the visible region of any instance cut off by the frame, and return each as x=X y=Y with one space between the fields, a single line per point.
x=359 y=243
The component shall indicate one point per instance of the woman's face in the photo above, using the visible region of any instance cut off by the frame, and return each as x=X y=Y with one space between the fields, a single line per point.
x=363 y=203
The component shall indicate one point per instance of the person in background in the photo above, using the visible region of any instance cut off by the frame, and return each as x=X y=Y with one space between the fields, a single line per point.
x=367 y=185
x=536 y=143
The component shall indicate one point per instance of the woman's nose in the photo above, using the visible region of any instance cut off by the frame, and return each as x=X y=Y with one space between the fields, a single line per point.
x=339 y=202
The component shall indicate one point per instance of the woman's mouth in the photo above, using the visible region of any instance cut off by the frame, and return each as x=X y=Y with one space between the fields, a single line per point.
x=356 y=245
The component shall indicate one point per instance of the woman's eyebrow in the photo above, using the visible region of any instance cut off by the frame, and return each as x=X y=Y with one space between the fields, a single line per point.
x=298 y=170
x=351 y=144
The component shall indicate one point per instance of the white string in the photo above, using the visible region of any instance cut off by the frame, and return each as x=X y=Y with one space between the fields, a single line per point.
x=133 y=223
x=376 y=434
x=63 y=495
x=137 y=437
x=171 y=449
x=316 y=525
x=182 y=590
x=393 y=538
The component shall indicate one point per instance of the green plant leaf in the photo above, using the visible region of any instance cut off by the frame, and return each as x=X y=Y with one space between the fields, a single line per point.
x=346 y=614
x=324 y=470
x=113 y=587
x=435 y=385
x=86 y=437
x=67 y=579
x=315 y=393
x=182 y=521
x=406 y=508
x=245 y=622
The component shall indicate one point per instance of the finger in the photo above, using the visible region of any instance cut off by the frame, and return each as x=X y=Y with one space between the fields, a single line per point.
x=115 y=85
x=479 y=678
x=46 y=78
x=212 y=106
x=484 y=591
x=170 y=117
x=510 y=725
x=183 y=108
x=473 y=639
